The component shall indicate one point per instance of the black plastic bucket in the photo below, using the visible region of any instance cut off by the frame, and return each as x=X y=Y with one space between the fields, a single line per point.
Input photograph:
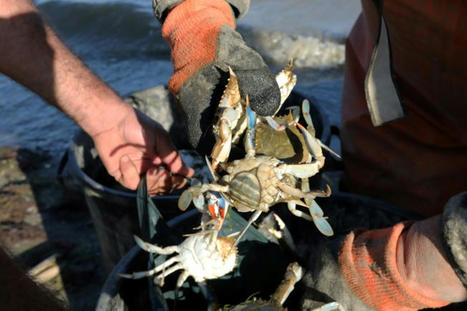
x=112 y=207
x=346 y=211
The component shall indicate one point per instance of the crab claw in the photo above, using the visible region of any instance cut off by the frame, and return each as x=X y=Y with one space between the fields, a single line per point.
x=218 y=208
x=286 y=81
x=307 y=116
x=221 y=150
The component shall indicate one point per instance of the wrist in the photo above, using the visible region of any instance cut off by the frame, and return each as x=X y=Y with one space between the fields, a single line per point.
x=103 y=115
x=192 y=30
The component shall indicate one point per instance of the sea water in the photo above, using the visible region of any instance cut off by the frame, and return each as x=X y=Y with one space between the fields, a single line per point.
x=121 y=42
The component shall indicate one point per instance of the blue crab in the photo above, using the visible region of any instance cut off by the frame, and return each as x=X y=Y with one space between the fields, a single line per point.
x=232 y=117
x=293 y=274
x=202 y=256
x=257 y=182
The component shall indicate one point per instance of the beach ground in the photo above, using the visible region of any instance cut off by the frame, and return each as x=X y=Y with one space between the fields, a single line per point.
x=47 y=228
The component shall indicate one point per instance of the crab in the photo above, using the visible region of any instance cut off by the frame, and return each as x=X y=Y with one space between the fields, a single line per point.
x=202 y=256
x=231 y=113
x=257 y=182
x=293 y=274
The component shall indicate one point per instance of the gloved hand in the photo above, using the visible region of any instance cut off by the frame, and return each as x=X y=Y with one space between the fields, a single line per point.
x=203 y=44
x=403 y=267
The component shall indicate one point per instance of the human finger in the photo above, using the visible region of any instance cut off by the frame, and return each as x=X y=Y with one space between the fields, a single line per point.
x=129 y=176
x=159 y=180
x=178 y=181
x=173 y=161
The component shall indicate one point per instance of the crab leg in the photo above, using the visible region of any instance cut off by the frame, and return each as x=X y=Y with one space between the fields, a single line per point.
x=250 y=221
x=299 y=170
x=142 y=274
x=317 y=212
x=286 y=81
x=282 y=234
x=151 y=248
x=280 y=127
x=250 y=134
x=332 y=306
x=302 y=194
x=307 y=116
x=221 y=150
x=211 y=169
x=291 y=205
x=138 y=275
x=232 y=110
x=182 y=278
x=312 y=143
x=160 y=278
x=311 y=128
x=293 y=274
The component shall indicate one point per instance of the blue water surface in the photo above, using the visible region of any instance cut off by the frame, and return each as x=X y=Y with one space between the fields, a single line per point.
x=121 y=42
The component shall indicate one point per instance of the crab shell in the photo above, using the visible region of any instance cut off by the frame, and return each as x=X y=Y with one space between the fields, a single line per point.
x=253 y=183
x=204 y=260
x=288 y=145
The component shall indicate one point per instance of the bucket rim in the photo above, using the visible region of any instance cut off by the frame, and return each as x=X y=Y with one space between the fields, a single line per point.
x=98 y=187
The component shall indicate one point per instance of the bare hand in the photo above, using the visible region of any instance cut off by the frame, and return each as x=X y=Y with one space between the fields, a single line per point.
x=138 y=145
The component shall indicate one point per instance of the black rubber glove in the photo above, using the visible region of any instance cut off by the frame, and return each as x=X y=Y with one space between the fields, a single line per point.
x=203 y=45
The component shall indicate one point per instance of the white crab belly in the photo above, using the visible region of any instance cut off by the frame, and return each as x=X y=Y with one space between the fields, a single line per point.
x=203 y=261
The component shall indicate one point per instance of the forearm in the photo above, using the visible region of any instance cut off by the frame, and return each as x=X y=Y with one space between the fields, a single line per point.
x=34 y=56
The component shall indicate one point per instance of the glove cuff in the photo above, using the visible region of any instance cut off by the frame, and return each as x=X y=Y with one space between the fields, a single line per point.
x=161 y=7
x=368 y=263
x=454 y=230
x=192 y=30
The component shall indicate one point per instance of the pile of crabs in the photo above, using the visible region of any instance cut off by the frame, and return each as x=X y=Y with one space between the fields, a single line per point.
x=253 y=183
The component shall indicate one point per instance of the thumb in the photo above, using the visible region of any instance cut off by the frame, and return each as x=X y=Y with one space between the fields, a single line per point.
x=129 y=173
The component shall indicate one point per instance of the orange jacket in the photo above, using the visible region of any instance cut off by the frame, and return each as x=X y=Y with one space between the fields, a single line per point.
x=419 y=161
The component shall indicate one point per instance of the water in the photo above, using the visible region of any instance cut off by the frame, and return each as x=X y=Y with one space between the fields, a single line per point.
x=121 y=42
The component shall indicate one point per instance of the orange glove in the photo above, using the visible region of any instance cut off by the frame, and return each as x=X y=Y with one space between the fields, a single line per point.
x=203 y=44
x=405 y=267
